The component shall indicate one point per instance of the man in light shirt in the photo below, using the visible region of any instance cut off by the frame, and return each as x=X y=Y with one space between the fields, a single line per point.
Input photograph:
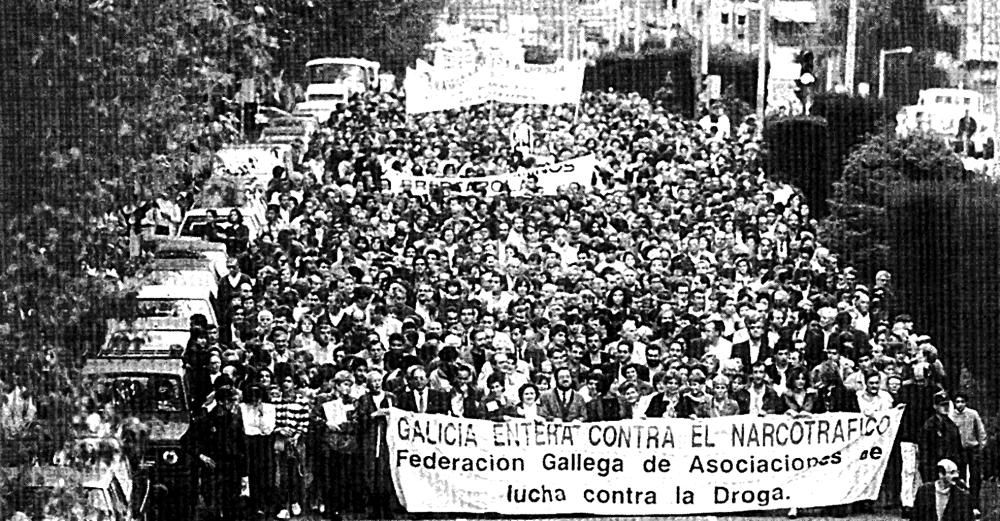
x=973 y=432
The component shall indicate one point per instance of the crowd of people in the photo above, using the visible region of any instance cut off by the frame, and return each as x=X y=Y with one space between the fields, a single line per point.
x=681 y=283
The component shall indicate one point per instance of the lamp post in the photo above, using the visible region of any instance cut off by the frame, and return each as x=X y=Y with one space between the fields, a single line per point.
x=882 y=53
x=850 y=54
x=538 y=24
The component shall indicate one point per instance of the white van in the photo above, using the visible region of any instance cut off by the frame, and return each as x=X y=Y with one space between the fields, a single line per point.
x=162 y=320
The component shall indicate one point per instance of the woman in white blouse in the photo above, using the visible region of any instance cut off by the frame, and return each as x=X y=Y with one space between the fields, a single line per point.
x=528 y=408
x=258 y=425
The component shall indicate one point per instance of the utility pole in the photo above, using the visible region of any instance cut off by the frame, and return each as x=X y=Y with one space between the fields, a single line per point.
x=995 y=40
x=706 y=37
x=636 y=21
x=762 y=56
x=850 y=54
x=564 y=7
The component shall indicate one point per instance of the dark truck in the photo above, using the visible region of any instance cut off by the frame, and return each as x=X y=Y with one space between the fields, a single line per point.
x=150 y=395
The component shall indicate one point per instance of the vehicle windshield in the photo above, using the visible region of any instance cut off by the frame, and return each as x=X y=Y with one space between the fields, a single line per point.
x=171 y=308
x=336 y=73
x=325 y=97
x=197 y=225
x=139 y=394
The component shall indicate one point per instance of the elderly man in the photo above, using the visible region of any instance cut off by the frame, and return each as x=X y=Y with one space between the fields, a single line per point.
x=418 y=397
x=946 y=498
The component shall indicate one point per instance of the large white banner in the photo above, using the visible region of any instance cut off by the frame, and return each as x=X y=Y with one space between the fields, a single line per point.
x=430 y=89
x=436 y=89
x=637 y=468
x=548 y=179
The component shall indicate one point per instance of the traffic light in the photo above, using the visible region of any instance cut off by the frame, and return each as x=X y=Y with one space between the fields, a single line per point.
x=806 y=79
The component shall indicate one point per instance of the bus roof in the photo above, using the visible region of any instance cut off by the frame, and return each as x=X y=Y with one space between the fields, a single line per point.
x=342 y=61
x=110 y=364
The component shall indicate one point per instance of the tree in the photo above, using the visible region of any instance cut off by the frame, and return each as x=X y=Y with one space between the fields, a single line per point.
x=889 y=25
x=795 y=151
x=943 y=246
x=849 y=120
x=392 y=32
x=105 y=106
x=857 y=227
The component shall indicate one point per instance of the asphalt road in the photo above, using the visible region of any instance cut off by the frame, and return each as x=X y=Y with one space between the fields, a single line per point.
x=990 y=512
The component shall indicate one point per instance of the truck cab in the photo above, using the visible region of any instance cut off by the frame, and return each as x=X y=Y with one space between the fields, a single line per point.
x=332 y=81
x=150 y=396
x=939 y=111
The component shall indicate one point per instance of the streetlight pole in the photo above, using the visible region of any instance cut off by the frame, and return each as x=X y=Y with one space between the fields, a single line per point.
x=882 y=53
x=538 y=24
x=850 y=54
x=762 y=55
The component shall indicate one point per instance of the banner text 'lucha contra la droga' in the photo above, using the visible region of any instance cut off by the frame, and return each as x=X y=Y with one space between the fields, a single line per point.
x=641 y=467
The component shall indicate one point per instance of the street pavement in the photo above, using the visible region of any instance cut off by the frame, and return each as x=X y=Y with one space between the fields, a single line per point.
x=990 y=496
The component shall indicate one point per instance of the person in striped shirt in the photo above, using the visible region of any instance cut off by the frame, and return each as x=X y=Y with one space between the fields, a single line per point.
x=291 y=424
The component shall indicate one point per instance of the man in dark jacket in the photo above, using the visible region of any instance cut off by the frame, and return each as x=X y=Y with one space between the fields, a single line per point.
x=218 y=446
x=758 y=398
x=419 y=398
x=939 y=438
x=918 y=396
x=945 y=499
x=372 y=412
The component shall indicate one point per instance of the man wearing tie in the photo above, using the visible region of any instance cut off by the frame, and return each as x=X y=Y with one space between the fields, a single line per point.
x=562 y=403
x=419 y=398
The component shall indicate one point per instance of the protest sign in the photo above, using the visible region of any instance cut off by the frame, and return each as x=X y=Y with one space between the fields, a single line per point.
x=641 y=467
x=430 y=88
x=550 y=178
x=579 y=170
x=537 y=84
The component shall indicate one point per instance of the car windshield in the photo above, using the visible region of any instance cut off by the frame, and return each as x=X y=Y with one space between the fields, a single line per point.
x=140 y=394
x=325 y=97
x=173 y=308
x=196 y=225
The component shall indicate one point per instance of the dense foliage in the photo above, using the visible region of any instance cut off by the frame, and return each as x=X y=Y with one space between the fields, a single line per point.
x=889 y=24
x=849 y=120
x=106 y=105
x=109 y=103
x=391 y=32
x=858 y=227
x=943 y=244
x=795 y=153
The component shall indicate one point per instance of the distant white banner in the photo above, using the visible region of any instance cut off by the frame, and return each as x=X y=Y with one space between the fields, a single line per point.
x=533 y=84
x=548 y=180
x=430 y=89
